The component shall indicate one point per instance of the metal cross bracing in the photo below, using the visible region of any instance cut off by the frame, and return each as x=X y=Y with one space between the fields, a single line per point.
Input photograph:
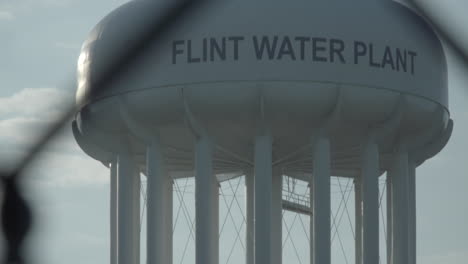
x=295 y=222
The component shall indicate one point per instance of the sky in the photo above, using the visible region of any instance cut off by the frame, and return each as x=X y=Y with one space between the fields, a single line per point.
x=39 y=46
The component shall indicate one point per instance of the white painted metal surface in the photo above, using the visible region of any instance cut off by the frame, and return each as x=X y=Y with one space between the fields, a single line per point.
x=159 y=213
x=399 y=175
x=370 y=202
x=277 y=217
x=311 y=221
x=113 y=211
x=250 y=218
x=244 y=97
x=263 y=198
x=358 y=220
x=389 y=219
x=321 y=201
x=128 y=237
x=206 y=205
x=412 y=249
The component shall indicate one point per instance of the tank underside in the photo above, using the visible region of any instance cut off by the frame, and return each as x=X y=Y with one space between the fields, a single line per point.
x=232 y=114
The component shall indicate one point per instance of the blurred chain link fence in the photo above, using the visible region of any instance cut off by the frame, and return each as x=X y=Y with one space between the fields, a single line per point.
x=16 y=216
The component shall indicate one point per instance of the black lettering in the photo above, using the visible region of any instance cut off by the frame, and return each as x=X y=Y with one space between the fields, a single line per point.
x=412 y=56
x=205 y=49
x=401 y=60
x=371 y=57
x=265 y=45
x=236 y=40
x=337 y=47
x=388 y=58
x=175 y=50
x=302 y=41
x=316 y=48
x=190 y=59
x=286 y=49
x=215 y=47
x=360 y=49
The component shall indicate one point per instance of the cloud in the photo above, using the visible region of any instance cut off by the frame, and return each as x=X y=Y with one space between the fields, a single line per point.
x=68 y=169
x=44 y=102
x=6 y=15
x=24 y=117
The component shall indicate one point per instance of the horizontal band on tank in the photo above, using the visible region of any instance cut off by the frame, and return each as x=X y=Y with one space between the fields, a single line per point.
x=344 y=85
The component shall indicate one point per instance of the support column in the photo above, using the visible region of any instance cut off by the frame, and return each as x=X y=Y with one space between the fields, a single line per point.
x=370 y=203
x=206 y=205
x=399 y=175
x=321 y=202
x=249 y=204
x=113 y=212
x=412 y=213
x=215 y=234
x=277 y=218
x=389 y=220
x=136 y=191
x=169 y=219
x=311 y=219
x=128 y=210
x=358 y=219
x=159 y=213
x=263 y=198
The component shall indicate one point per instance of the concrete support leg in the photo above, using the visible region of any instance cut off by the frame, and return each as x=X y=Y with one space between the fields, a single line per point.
x=399 y=175
x=206 y=205
x=128 y=210
x=412 y=213
x=389 y=220
x=277 y=218
x=113 y=212
x=321 y=202
x=358 y=219
x=159 y=213
x=263 y=198
x=249 y=204
x=370 y=201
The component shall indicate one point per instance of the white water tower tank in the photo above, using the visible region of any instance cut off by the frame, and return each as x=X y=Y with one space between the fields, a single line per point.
x=260 y=88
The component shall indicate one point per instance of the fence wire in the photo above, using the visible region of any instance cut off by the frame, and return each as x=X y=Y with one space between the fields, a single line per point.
x=15 y=212
x=16 y=216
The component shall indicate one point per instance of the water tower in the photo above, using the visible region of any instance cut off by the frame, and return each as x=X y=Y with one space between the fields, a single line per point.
x=307 y=89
